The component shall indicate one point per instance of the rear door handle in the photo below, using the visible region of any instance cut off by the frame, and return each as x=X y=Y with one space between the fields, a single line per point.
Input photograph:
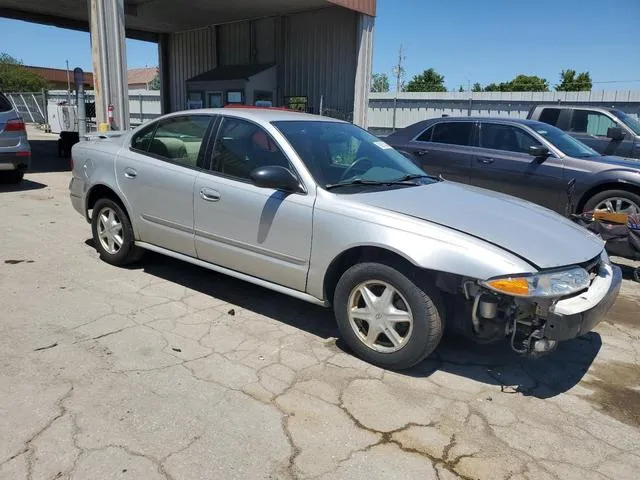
x=420 y=153
x=130 y=172
x=485 y=160
x=209 y=195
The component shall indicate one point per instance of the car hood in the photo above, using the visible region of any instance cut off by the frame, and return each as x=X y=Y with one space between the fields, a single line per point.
x=632 y=163
x=540 y=236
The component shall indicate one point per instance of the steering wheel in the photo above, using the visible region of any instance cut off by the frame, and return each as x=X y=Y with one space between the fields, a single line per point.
x=354 y=166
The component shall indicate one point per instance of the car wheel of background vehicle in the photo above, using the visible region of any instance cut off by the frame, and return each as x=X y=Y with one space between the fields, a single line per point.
x=385 y=318
x=617 y=201
x=113 y=233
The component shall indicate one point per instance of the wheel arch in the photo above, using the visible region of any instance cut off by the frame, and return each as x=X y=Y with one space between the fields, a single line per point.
x=360 y=254
x=98 y=191
x=604 y=186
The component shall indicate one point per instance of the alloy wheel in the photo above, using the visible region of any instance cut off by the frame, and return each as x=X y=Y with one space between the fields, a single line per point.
x=380 y=316
x=110 y=231
x=618 y=205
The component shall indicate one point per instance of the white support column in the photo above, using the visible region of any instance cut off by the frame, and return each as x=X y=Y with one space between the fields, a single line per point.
x=362 y=85
x=108 y=51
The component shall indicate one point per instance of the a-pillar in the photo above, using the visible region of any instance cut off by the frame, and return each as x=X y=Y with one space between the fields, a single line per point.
x=108 y=50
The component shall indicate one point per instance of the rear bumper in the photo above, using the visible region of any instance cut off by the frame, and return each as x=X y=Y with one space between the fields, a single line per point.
x=76 y=194
x=15 y=161
x=578 y=315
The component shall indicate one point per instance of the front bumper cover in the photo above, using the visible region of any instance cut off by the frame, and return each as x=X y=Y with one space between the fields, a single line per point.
x=576 y=316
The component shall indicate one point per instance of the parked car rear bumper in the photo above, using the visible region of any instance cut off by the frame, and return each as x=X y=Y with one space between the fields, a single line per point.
x=76 y=195
x=578 y=315
x=15 y=161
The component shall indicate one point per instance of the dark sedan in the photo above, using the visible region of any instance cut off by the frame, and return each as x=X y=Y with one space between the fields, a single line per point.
x=523 y=158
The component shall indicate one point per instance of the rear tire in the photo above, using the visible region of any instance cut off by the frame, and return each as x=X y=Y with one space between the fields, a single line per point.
x=405 y=315
x=113 y=234
x=600 y=199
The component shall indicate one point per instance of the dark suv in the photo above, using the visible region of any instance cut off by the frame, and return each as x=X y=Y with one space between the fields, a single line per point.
x=523 y=158
x=606 y=130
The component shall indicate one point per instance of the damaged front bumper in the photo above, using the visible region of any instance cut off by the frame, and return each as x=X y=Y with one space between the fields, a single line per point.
x=576 y=316
x=535 y=325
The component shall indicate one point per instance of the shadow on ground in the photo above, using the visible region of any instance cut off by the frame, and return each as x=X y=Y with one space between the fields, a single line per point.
x=494 y=364
x=24 y=185
x=628 y=270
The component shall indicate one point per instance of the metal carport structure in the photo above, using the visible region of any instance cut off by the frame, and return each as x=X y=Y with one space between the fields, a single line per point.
x=322 y=48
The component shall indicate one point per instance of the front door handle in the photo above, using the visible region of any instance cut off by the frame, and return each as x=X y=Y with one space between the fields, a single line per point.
x=421 y=153
x=130 y=172
x=209 y=195
x=485 y=160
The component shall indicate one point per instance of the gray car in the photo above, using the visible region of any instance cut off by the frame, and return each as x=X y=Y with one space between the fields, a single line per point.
x=15 y=152
x=524 y=158
x=609 y=131
x=321 y=210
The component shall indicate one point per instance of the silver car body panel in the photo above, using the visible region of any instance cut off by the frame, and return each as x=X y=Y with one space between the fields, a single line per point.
x=518 y=226
x=15 y=150
x=287 y=242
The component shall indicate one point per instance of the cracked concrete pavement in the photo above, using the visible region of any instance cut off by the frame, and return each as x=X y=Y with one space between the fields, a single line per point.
x=167 y=371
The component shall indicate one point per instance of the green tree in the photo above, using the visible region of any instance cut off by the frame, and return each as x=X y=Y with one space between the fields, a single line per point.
x=15 y=78
x=521 y=83
x=493 y=87
x=528 y=83
x=155 y=83
x=379 y=83
x=476 y=87
x=460 y=89
x=427 y=81
x=570 y=82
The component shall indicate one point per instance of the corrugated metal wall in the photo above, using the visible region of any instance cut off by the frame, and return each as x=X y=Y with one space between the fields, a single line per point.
x=316 y=53
x=413 y=107
x=265 y=32
x=190 y=53
x=320 y=57
x=235 y=43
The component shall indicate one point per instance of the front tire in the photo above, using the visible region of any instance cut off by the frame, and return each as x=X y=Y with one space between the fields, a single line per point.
x=385 y=318
x=616 y=201
x=113 y=234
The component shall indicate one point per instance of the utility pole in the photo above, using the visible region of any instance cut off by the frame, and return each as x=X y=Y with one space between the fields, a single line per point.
x=398 y=71
x=68 y=86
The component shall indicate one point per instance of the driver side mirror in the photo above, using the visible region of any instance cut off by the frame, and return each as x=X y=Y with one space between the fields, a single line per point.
x=615 y=133
x=539 y=151
x=276 y=177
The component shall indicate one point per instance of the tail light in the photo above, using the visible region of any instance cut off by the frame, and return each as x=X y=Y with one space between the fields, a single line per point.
x=16 y=125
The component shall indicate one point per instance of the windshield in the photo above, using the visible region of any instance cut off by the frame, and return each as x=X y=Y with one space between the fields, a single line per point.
x=631 y=122
x=338 y=153
x=565 y=143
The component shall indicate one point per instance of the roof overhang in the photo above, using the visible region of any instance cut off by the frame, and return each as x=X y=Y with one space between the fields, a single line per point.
x=144 y=19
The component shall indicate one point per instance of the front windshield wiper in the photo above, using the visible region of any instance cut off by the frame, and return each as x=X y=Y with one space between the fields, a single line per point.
x=414 y=176
x=359 y=181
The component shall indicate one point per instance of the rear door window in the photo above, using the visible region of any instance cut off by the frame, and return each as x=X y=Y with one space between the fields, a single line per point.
x=453 y=133
x=176 y=139
x=550 y=115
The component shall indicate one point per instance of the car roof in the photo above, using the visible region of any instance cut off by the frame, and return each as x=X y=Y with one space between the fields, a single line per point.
x=522 y=121
x=574 y=106
x=262 y=114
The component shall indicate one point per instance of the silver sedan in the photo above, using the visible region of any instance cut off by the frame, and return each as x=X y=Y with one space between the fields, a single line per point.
x=323 y=211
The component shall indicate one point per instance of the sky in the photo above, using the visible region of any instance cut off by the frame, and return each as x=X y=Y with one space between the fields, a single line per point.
x=467 y=41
